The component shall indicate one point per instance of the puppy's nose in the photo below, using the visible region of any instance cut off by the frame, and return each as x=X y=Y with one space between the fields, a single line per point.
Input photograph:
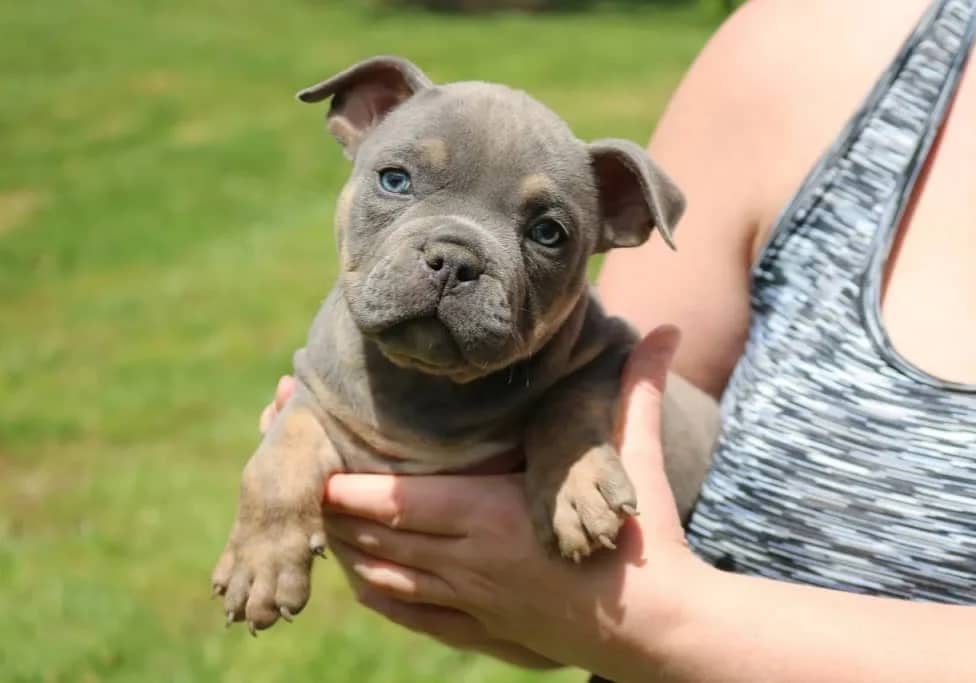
x=452 y=263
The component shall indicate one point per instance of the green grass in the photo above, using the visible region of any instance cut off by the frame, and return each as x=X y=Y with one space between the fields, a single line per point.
x=165 y=210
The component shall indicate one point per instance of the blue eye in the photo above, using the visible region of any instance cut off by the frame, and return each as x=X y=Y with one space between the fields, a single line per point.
x=548 y=233
x=395 y=180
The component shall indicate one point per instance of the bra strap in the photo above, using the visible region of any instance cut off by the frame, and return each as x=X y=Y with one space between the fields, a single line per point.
x=949 y=41
x=944 y=34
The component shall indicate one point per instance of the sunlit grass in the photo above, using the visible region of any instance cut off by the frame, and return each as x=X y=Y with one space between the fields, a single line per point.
x=165 y=238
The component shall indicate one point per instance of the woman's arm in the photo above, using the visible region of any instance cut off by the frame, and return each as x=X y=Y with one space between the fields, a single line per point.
x=739 y=628
x=761 y=103
x=649 y=611
x=708 y=141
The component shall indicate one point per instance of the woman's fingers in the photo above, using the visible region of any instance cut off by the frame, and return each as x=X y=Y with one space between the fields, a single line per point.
x=284 y=390
x=450 y=626
x=267 y=417
x=400 y=582
x=447 y=625
x=286 y=387
x=440 y=505
x=414 y=550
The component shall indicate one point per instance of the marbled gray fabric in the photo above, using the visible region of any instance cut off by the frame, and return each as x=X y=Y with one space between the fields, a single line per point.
x=840 y=464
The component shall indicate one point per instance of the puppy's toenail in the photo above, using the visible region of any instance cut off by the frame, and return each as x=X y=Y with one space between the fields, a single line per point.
x=252 y=628
x=629 y=510
x=317 y=544
x=606 y=542
x=230 y=619
x=285 y=614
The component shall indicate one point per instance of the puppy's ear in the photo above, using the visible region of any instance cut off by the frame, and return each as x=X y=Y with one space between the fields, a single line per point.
x=635 y=195
x=363 y=94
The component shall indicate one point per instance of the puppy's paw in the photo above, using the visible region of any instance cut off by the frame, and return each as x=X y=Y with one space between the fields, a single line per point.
x=265 y=568
x=588 y=506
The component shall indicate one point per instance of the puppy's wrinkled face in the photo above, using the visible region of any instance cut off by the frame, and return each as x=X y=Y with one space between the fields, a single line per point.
x=472 y=209
x=469 y=218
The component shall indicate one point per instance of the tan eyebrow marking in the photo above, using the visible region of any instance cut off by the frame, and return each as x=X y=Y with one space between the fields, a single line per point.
x=344 y=206
x=434 y=151
x=536 y=187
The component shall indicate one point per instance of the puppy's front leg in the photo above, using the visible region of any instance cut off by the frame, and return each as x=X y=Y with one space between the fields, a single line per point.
x=265 y=568
x=578 y=490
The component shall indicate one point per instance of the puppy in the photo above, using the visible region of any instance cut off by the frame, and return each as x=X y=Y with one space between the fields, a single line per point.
x=461 y=326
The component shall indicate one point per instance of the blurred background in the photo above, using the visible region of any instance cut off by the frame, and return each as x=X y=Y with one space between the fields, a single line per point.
x=165 y=238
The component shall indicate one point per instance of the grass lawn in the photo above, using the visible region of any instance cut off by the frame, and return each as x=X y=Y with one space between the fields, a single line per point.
x=165 y=219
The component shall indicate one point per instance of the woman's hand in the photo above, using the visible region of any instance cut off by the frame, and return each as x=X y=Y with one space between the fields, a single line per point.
x=284 y=390
x=456 y=556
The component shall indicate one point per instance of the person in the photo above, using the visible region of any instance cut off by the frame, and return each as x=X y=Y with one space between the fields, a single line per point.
x=835 y=536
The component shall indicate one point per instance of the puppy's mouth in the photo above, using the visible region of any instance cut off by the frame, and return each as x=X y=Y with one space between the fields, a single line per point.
x=424 y=344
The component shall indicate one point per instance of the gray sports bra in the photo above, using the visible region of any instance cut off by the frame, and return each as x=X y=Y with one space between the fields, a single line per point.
x=841 y=464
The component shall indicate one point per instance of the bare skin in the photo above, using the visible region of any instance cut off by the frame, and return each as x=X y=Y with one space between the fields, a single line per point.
x=766 y=72
x=741 y=132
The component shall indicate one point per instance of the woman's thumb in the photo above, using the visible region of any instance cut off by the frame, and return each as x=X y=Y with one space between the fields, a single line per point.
x=643 y=386
x=640 y=430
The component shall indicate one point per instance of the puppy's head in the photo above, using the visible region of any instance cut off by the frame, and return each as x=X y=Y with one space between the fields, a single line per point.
x=472 y=209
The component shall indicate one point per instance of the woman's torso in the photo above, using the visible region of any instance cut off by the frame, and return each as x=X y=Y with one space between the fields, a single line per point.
x=844 y=461
x=937 y=247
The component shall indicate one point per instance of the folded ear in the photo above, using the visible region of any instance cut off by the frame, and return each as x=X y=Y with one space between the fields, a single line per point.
x=635 y=195
x=363 y=94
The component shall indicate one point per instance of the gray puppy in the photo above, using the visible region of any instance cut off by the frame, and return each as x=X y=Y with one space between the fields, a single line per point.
x=461 y=326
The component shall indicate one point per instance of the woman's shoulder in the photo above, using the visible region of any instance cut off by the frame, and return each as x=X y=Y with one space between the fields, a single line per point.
x=789 y=55
x=822 y=35
x=783 y=77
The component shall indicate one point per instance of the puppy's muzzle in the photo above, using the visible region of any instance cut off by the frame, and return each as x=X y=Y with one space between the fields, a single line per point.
x=451 y=265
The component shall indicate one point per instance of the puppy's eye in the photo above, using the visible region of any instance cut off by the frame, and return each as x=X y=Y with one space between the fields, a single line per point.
x=547 y=232
x=395 y=180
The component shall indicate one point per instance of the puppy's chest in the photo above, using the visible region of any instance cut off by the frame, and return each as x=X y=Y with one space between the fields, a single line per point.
x=366 y=447
x=380 y=422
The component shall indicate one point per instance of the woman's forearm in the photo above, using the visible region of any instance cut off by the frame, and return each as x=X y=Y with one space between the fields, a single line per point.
x=738 y=628
x=512 y=653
